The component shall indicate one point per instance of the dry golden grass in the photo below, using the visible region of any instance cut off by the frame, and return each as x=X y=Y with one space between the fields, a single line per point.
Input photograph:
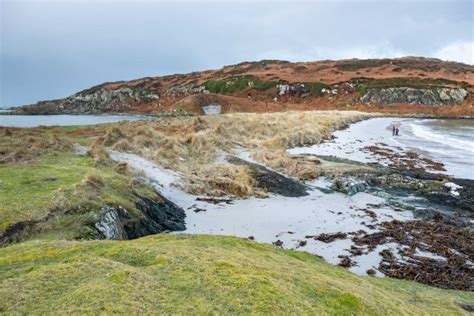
x=195 y=146
x=100 y=155
x=223 y=179
x=19 y=145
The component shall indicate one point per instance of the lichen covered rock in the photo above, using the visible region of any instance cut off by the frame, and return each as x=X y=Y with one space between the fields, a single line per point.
x=397 y=95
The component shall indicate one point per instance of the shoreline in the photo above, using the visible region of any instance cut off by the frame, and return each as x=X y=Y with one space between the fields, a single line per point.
x=339 y=218
x=351 y=214
x=170 y=113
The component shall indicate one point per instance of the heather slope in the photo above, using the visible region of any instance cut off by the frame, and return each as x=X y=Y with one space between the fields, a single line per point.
x=435 y=88
x=184 y=274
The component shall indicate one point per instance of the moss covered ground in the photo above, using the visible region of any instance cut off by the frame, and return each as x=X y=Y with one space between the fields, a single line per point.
x=184 y=274
x=27 y=191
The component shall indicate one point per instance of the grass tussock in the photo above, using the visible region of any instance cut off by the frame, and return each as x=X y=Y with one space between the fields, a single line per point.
x=19 y=145
x=182 y=274
x=94 y=180
x=100 y=155
x=224 y=179
x=195 y=147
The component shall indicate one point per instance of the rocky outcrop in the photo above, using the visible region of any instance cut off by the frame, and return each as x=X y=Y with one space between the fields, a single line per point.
x=349 y=186
x=272 y=181
x=151 y=216
x=110 y=225
x=93 y=101
x=398 y=95
x=251 y=86
x=155 y=217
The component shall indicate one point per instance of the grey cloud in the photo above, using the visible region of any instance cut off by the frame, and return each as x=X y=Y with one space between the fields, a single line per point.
x=50 y=49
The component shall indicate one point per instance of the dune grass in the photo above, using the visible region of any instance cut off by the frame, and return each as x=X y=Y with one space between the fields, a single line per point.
x=20 y=145
x=60 y=193
x=183 y=274
x=195 y=146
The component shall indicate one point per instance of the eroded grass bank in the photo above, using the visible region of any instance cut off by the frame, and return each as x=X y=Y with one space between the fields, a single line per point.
x=48 y=190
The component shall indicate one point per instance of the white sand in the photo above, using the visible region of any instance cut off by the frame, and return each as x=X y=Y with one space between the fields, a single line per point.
x=349 y=144
x=277 y=217
x=291 y=219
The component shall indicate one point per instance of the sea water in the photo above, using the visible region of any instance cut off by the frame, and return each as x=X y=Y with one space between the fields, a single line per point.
x=63 y=120
x=450 y=142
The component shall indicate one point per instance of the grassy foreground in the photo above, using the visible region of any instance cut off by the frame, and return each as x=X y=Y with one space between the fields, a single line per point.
x=69 y=188
x=199 y=274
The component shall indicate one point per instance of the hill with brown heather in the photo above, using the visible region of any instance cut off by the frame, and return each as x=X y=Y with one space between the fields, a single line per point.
x=410 y=85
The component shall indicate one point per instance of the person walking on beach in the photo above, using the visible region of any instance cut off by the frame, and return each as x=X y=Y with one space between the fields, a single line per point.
x=393 y=130
x=396 y=131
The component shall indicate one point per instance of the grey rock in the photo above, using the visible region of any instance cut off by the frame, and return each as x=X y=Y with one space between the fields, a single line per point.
x=92 y=101
x=396 y=95
x=349 y=186
x=154 y=217
x=272 y=181
x=110 y=225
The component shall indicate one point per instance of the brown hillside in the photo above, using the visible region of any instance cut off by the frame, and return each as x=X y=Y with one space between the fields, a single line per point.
x=252 y=87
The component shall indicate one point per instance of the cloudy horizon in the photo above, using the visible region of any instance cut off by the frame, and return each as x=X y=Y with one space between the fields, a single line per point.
x=51 y=49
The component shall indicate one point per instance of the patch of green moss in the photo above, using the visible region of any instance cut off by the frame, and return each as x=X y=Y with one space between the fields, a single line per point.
x=315 y=87
x=27 y=190
x=184 y=274
x=353 y=65
x=69 y=186
x=239 y=83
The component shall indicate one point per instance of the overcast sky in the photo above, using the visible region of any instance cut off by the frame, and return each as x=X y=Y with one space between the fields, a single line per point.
x=51 y=49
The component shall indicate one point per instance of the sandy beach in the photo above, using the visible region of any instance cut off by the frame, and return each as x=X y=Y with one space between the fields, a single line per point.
x=323 y=222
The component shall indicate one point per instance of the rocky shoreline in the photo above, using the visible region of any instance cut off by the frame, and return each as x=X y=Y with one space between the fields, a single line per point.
x=443 y=227
x=156 y=215
x=433 y=246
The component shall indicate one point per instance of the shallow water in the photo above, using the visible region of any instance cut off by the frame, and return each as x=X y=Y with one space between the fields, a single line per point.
x=448 y=141
x=63 y=120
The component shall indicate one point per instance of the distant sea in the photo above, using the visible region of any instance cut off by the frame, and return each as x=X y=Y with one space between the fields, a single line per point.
x=63 y=120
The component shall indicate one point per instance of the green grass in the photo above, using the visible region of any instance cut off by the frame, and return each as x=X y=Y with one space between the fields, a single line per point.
x=27 y=190
x=353 y=65
x=364 y=84
x=239 y=83
x=315 y=87
x=184 y=274
x=68 y=185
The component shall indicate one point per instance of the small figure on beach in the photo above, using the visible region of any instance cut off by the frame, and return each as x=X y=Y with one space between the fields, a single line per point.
x=395 y=128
